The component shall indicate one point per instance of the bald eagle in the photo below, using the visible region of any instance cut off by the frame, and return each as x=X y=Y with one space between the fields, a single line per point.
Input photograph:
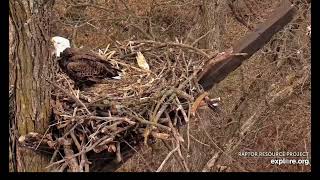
x=83 y=67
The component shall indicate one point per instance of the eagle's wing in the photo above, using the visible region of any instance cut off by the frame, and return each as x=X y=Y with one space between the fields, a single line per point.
x=77 y=54
x=86 y=70
x=94 y=60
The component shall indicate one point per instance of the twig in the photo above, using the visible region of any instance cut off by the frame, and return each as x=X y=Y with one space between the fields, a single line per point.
x=149 y=122
x=177 y=142
x=175 y=155
x=182 y=159
x=63 y=167
x=75 y=140
x=142 y=51
x=90 y=5
x=188 y=130
x=240 y=20
x=128 y=9
x=69 y=156
x=86 y=165
x=150 y=29
x=211 y=162
x=184 y=114
x=179 y=139
x=214 y=143
x=82 y=163
x=130 y=66
x=156 y=114
x=145 y=161
x=79 y=103
x=54 y=155
x=118 y=153
x=201 y=37
x=84 y=157
x=196 y=50
x=91 y=147
x=42 y=138
x=167 y=158
x=199 y=141
x=142 y=31
x=108 y=119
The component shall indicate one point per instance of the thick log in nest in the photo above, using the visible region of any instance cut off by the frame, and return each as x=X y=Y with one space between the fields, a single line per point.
x=99 y=127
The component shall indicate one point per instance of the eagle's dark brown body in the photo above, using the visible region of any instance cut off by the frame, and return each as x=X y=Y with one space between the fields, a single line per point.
x=86 y=68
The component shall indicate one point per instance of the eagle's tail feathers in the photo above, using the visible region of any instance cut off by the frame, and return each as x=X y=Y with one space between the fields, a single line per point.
x=117 y=77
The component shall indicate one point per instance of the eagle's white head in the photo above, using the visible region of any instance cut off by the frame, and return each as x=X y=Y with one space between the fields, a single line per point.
x=60 y=44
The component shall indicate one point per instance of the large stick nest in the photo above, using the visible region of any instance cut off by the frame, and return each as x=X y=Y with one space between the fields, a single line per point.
x=142 y=105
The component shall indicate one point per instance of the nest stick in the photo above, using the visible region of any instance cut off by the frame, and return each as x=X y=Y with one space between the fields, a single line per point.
x=84 y=150
x=81 y=166
x=192 y=137
x=63 y=167
x=182 y=159
x=188 y=130
x=130 y=66
x=114 y=118
x=79 y=103
x=141 y=120
x=118 y=153
x=55 y=153
x=71 y=160
x=184 y=114
x=75 y=140
x=142 y=51
x=156 y=114
x=201 y=37
x=183 y=94
x=186 y=46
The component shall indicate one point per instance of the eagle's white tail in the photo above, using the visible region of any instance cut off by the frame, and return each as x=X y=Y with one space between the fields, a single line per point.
x=117 y=77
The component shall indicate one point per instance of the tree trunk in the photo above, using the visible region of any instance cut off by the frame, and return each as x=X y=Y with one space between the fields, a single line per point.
x=30 y=64
x=213 y=14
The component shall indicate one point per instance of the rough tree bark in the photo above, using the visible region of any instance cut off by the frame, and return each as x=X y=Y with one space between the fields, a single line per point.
x=30 y=64
x=213 y=14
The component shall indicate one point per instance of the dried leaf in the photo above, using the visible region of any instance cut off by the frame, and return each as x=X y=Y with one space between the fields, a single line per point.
x=142 y=61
